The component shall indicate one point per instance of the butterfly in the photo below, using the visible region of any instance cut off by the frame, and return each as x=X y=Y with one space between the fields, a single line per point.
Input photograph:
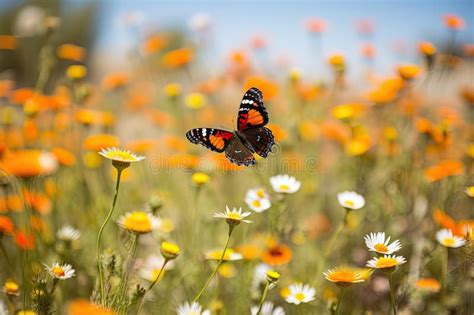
x=250 y=137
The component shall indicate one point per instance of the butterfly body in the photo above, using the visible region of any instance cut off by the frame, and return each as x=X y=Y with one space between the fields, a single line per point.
x=251 y=137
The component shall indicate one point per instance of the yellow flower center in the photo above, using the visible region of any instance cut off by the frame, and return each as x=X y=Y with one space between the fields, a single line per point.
x=58 y=271
x=349 y=203
x=234 y=216
x=448 y=242
x=120 y=155
x=343 y=276
x=386 y=262
x=261 y=193
x=299 y=296
x=284 y=187
x=256 y=203
x=138 y=221
x=381 y=248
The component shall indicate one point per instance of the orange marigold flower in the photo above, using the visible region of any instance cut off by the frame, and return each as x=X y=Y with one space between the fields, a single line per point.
x=142 y=146
x=427 y=48
x=161 y=119
x=315 y=25
x=249 y=251
x=71 y=52
x=6 y=87
x=38 y=202
x=277 y=255
x=336 y=131
x=337 y=61
x=453 y=22
x=428 y=284
x=25 y=240
x=29 y=163
x=64 y=156
x=347 y=111
x=409 y=71
x=358 y=145
x=154 y=44
x=178 y=58
x=80 y=307
x=443 y=169
x=20 y=96
x=114 y=81
x=7 y=42
x=100 y=141
x=279 y=133
x=6 y=226
x=444 y=220
x=268 y=88
x=14 y=203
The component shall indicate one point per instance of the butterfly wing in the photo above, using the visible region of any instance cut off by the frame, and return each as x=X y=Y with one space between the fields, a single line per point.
x=238 y=153
x=214 y=139
x=261 y=139
x=252 y=112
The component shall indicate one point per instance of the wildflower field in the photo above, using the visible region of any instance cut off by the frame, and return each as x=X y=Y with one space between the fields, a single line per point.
x=160 y=174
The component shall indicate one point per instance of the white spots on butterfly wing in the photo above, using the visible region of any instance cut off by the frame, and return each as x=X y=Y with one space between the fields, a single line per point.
x=204 y=132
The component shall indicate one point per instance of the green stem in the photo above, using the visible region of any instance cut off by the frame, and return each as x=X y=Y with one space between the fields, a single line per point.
x=339 y=299
x=131 y=258
x=392 y=294
x=231 y=228
x=445 y=263
x=99 y=237
x=332 y=242
x=264 y=296
x=152 y=285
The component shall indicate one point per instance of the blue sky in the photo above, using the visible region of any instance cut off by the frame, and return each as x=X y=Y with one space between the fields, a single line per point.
x=282 y=21
x=235 y=22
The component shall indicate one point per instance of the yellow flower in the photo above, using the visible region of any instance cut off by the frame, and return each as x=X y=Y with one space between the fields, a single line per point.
x=139 y=222
x=343 y=276
x=169 y=250
x=10 y=287
x=347 y=111
x=121 y=159
x=273 y=276
x=229 y=255
x=76 y=72
x=195 y=100
x=26 y=312
x=200 y=178
x=227 y=270
x=172 y=90
x=408 y=71
x=470 y=191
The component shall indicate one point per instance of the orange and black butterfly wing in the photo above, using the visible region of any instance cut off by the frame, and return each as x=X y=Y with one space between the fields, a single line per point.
x=238 y=153
x=214 y=139
x=252 y=112
x=261 y=139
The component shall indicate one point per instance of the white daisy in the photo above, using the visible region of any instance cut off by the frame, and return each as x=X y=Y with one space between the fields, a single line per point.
x=376 y=242
x=300 y=293
x=191 y=309
x=151 y=267
x=285 y=184
x=268 y=309
x=351 y=200
x=386 y=262
x=446 y=238
x=120 y=155
x=257 y=200
x=68 y=234
x=233 y=217
x=61 y=272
